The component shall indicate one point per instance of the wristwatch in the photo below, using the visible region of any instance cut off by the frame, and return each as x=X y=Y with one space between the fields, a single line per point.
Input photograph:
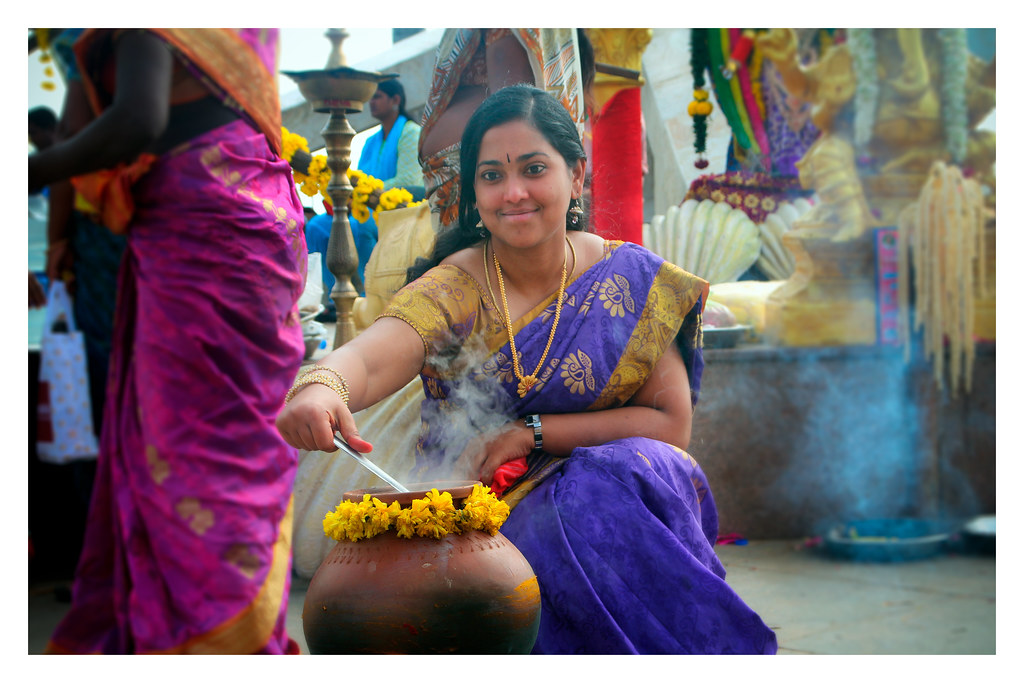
x=533 y=421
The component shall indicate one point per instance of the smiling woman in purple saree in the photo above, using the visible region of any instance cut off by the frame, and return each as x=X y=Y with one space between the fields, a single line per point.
x=577 y=411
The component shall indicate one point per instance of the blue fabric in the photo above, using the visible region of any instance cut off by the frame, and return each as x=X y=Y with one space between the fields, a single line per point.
x=379 y=159
x=622 y=538
x=318 y=232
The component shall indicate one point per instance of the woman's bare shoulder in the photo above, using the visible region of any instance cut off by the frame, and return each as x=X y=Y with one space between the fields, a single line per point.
x=589 y=247
x=469 y=260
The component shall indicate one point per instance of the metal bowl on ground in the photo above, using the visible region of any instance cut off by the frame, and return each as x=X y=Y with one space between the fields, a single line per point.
x=724 y=337
x=978 y=535
x=887 y=540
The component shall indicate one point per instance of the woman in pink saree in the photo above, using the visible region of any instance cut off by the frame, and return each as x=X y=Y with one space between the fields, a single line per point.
x=189 y=533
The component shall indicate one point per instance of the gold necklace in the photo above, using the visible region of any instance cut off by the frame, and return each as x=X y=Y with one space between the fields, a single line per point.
x=526 y=382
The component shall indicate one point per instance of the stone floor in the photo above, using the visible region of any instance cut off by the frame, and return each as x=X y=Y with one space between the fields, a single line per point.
x=816 y=604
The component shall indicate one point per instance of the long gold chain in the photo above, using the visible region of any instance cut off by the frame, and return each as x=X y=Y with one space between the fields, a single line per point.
x=526 y=382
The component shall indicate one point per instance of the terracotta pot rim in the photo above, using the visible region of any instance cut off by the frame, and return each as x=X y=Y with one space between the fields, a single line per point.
x=459 y=488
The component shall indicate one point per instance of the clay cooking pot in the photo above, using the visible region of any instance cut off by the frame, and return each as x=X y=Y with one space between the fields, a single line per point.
x=463 y=593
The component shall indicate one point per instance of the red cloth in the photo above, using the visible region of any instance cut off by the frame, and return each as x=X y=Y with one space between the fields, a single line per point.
x=617 y=181
x=506 y=474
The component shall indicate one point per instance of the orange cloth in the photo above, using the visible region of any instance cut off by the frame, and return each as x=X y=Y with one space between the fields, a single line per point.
x=110 y=191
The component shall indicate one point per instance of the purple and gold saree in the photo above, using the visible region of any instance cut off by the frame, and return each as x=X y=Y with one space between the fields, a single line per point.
x=621 y=535
x=188 y=544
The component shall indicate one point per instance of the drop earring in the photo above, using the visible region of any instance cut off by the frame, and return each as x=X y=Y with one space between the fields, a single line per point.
x=575 y=211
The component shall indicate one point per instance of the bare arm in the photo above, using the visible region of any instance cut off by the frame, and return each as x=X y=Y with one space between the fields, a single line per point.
x=137 y=116
x=378 y=362
x=660 y=410
x=75 y=116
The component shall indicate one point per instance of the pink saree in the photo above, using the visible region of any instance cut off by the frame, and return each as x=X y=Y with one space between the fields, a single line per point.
x=188 y=545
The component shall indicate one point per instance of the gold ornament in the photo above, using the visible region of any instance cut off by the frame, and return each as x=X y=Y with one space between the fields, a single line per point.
x=527 y=382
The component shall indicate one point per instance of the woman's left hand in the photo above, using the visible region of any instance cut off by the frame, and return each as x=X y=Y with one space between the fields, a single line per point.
x=487 y=452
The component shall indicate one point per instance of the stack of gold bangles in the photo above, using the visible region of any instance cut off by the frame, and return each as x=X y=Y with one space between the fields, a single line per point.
x=320 y=374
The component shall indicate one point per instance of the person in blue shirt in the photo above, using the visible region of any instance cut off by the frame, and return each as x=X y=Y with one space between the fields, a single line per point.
x=390 y=155
x=318 y=232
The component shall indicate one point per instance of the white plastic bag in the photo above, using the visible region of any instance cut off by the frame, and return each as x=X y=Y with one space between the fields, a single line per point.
x=65 y=430
x=310 y=301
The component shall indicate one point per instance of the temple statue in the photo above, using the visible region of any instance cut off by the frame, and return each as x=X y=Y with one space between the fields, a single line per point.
x=894 y=100
x=889 y=103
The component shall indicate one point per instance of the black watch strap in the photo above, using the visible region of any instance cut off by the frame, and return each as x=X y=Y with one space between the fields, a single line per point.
x=533 y=421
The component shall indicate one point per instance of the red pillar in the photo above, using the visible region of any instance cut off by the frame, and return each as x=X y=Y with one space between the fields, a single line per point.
x=617 y=182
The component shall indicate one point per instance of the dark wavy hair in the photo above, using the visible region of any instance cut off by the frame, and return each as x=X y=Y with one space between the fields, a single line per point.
x=513 y=103
x=394 y=87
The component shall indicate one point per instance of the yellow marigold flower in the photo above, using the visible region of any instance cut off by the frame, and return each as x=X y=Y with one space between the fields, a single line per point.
x=360 y=213
x=433 y=516
x=318 y=164
x=309 y=187
x=374 y=516
x=332 y=526
x=482 y=510
x=290 y=142
x=403 y=524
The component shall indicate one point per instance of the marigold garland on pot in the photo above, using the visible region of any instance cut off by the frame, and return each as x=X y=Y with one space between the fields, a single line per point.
x=433 y=516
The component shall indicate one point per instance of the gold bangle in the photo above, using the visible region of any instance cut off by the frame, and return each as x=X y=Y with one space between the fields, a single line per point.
x=318 y=378
x=337 y=374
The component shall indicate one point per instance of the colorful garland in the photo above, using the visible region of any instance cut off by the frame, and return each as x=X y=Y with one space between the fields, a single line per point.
x=700 y=108
x=953 y=94
x=734 y=61
x=433 y=516
x=865 y=98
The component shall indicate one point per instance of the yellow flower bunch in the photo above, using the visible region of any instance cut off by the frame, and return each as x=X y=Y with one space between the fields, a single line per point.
x=433 y=516
x=316 y=178
x=363 y=185
x=700 y=106
x=395 y=198
x=295 y=150
x=292 y=142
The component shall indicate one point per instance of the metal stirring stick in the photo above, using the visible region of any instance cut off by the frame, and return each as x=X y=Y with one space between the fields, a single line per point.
x=361 y=459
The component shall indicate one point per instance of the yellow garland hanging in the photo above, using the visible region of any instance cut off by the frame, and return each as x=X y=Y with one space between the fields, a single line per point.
x=433 y=516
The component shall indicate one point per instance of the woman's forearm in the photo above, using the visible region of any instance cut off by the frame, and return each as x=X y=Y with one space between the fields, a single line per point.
x=562 y=433
x=137 y=116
